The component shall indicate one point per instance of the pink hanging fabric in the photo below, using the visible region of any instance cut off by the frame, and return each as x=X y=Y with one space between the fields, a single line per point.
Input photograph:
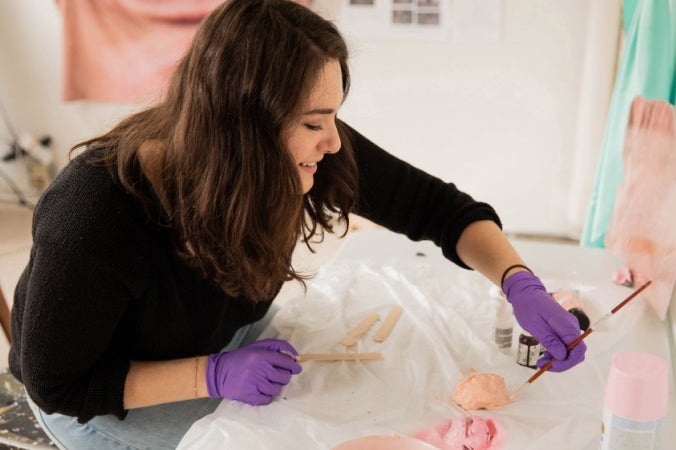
x=125 y=50
x=642 y=232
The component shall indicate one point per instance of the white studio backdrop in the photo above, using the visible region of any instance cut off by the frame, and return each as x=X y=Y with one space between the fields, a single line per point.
x=516 y=122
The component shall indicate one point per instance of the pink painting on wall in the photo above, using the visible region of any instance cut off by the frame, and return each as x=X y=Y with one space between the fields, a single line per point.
x=125 y=50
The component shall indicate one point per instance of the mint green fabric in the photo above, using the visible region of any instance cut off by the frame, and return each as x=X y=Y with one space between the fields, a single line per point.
x=647 y=67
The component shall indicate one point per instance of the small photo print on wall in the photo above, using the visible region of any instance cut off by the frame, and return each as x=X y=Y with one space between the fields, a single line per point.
x=409 y=19
x=416 y=12
x=402 y=16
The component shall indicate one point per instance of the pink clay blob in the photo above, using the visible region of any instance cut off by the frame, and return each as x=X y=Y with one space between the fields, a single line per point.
x=465 y=433
x=481 y=391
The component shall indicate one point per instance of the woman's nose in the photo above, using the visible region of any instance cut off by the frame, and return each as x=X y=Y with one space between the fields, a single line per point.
x=332 y=144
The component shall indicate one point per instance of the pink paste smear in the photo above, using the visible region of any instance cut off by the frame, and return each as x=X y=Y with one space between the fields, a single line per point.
x=465 y=433
x=481 y=391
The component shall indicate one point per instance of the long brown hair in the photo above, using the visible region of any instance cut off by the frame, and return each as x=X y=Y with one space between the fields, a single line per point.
x=230 y=189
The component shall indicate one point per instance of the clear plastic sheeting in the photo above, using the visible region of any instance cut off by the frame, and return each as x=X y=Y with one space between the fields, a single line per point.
x=443 y=335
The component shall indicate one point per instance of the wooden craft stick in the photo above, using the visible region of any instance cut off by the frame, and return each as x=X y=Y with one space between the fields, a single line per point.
x=337 y=356
x=359 y=330
x=388 y=324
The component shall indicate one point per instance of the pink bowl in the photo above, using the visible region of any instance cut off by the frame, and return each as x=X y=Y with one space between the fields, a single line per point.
x=392 y=442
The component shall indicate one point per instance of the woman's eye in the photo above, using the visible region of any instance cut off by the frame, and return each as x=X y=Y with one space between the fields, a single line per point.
x=313 y=127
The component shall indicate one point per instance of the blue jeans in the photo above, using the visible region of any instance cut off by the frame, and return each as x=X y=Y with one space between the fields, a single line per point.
x=154 y=427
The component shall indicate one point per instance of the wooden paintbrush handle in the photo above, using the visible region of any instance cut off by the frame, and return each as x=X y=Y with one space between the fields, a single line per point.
x=587 y=332
x=546 y=367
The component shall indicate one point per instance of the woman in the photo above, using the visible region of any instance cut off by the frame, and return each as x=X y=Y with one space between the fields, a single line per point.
x=168 y=236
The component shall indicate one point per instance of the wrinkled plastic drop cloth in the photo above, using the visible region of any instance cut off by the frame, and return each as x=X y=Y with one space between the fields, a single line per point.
x=444 y=332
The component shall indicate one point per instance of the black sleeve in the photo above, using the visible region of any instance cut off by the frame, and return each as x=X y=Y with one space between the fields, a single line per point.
x=69 y=302
x=404 y=199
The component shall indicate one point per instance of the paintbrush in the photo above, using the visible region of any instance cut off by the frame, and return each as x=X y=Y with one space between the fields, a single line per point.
x=579 y=339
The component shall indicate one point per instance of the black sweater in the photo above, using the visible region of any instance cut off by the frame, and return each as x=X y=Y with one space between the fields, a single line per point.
x=103 y=285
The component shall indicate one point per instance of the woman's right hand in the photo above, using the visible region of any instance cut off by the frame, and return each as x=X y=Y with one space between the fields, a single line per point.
x=252 y=374
x=547 y=321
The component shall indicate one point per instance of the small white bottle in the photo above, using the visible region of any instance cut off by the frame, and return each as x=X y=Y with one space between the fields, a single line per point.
x=503 y=328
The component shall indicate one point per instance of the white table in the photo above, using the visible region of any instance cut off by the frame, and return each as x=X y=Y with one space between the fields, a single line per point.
x=558 y=409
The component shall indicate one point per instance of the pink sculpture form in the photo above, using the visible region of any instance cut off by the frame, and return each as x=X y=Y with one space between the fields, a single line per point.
x=642 y=231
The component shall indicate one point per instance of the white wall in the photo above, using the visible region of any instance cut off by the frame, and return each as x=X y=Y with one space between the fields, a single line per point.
x=516 y=123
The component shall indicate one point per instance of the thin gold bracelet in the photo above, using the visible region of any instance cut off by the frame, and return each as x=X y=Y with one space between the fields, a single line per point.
x=194 y=382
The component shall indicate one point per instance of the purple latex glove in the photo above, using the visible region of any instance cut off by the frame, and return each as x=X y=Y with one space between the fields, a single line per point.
x=253 y=373
x=547 y=321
